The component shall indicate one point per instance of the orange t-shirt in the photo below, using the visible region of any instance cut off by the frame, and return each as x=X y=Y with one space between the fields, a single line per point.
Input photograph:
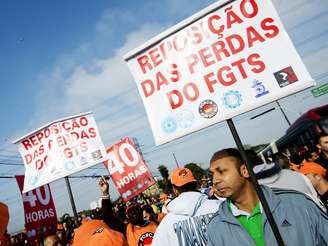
x=140 y=236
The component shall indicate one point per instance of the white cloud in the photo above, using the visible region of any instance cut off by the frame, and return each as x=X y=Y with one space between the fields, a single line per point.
x=68 y=92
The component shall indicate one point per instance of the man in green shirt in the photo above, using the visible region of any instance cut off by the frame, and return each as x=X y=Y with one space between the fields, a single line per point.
x=240 y=220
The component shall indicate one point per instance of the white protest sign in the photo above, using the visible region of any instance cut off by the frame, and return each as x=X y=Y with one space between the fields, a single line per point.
x=59 y=149
x=228 y=59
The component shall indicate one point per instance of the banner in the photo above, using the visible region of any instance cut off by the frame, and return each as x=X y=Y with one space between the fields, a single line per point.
x=59 y=149
x=229 y=58
x=129 y=172
x=40 y=212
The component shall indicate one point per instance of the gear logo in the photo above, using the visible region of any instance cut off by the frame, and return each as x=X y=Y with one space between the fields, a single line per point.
x=169 y=125
x=208 y=109
x=232 y=99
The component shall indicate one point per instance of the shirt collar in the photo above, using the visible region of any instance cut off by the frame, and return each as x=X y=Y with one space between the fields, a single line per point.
x=238 y=212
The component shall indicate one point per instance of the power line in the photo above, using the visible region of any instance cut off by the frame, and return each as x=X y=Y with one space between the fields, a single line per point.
x=73 y=177
x=10 y=164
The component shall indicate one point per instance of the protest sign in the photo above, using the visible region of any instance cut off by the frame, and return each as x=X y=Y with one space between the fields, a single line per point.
x=59 y=149
x=128 y=170
x=229 y=58
x=39 y=209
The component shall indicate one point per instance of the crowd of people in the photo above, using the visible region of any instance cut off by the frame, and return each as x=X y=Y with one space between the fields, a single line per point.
x=227 y=212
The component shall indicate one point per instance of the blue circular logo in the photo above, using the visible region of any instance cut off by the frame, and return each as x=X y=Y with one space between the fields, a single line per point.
x=33 y=180
x=169 y=125
x=185 y=118
x=232 y=99
x=69 y=165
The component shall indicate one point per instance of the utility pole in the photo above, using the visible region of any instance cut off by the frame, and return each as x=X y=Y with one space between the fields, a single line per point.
x=175 y=159
x=138 y=147
x=283 y=112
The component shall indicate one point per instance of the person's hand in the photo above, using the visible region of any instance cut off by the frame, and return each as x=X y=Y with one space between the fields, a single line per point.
x=104 y=186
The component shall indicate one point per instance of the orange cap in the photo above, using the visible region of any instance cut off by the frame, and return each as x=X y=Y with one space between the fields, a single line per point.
x=182 y=176
x=96 y=232
x=312 y=168
x=4 y=218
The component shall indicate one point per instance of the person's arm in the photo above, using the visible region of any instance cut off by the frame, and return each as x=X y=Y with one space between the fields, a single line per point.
x=107 y=213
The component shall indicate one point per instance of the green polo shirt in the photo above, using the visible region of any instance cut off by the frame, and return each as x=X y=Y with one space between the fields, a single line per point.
x=251 y=222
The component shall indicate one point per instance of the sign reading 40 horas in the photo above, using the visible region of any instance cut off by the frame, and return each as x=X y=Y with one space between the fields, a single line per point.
x=40 y=212
x=227 y=59
x=128 y=170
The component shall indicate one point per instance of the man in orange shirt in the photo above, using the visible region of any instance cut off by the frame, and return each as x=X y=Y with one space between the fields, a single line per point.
x=96 y=232
x=139 y=232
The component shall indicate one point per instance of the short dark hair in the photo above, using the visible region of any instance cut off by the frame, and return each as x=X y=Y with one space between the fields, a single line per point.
x=277 y=156
x=230 y=152
x=321 y=135
x=253 y=158
x=191 y=186
x=297 y=159
x=135 y=215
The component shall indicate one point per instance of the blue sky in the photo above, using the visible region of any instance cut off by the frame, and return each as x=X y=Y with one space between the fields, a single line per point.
x=59 y=58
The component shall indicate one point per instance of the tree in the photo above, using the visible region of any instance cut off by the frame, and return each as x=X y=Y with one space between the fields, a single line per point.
x=196 y=170
x=164 y=172
x=165 y=183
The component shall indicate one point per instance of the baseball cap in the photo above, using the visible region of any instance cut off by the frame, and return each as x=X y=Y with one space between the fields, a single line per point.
x=4 y=218
x=96 y=232
x=312 y=168
x=182 y=176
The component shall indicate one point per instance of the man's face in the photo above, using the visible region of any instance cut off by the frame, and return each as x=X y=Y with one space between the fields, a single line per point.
x=227 y=179
x=204 y=184
x=52 y=240
x=314 y=156
x=283 y=162
x=323 y=144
